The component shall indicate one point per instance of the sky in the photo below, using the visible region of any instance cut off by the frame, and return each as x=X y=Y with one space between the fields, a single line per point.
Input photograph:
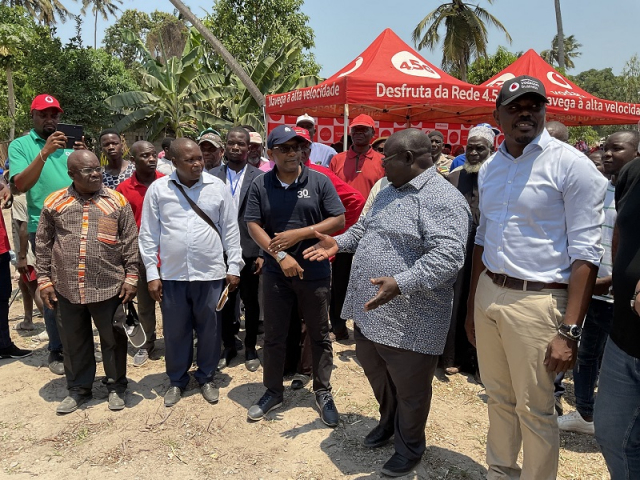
x=344 y=28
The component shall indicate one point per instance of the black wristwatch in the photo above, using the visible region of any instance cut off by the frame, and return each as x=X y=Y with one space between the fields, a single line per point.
x=572 y=332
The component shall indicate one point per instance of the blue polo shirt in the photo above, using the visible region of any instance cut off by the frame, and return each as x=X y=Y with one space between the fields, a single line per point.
x=309 y=200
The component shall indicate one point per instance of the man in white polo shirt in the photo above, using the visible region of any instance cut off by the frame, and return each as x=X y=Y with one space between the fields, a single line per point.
x=535 y=260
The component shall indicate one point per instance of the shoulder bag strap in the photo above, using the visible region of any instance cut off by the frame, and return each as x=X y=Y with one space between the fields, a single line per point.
x=197 y=209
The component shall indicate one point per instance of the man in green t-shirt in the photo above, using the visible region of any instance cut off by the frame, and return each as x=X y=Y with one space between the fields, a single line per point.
x=38 y=166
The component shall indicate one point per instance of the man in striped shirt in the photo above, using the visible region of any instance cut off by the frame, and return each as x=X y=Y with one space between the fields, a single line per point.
x=619 y=149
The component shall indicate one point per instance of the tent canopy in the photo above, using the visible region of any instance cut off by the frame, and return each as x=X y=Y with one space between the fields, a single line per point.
x=568 y=103
x=391 y=82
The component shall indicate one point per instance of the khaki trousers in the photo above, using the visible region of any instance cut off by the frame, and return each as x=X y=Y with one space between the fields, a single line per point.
x=513 y=329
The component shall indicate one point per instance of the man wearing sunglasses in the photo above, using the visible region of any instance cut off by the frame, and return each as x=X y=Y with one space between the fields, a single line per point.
x=285 y=208
x=87 y=267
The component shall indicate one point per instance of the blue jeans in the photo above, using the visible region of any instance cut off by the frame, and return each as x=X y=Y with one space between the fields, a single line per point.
x=55 y=344
x=617 y=413
x=595 y=332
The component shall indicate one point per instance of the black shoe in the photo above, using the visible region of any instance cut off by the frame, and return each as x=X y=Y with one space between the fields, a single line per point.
x=14 y=352
x=299 y=381
x=266 y=403
x=56 y=363
x=252 y=362
x=72 y=402
x=226 y=356
x=377 y=437
x=210 y=392
x=341 y=334
x=172 y=396
x=328 y=411
x=116 y=401
x=398 y=465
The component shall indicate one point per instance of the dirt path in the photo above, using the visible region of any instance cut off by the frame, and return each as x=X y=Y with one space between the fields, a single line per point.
x=195 y=440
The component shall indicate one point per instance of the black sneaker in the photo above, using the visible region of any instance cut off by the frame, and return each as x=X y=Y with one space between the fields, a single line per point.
x=14 y=352
x=398 y=465
x=328 y=411
x=266 y=403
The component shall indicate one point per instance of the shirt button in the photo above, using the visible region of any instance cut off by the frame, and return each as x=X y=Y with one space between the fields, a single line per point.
x=504 y=203
x=499 y=249
x=509 y=181
x=500 y=225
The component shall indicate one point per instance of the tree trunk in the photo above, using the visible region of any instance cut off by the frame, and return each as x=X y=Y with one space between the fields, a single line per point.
x=95 y=32
x=463 y=71
x=235 y=67
x=12 y=103
x=560 y=36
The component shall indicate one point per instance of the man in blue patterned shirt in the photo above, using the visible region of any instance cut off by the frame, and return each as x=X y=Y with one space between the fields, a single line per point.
x=408 y=250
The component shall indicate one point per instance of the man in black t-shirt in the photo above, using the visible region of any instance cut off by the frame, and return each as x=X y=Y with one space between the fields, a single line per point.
x=285 y=209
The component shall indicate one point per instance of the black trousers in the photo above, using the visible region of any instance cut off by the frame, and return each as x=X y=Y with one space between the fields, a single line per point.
x=249 y=290
x=76 y=333
x=401 y=382
x=5 y=295
x=146 y=309
x=340 y=272
x=280 y=295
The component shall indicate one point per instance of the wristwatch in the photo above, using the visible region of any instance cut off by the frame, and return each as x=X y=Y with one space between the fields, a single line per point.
x=572 y=332
x=281 y=256
x=633 y=301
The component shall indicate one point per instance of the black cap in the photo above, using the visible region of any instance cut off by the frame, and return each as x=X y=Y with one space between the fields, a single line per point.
x=516 y=87
x=281 y=134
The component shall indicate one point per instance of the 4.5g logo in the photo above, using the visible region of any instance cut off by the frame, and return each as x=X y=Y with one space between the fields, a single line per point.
x=304 y=193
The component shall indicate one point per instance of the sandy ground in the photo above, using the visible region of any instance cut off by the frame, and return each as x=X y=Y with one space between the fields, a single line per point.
x=195 y=440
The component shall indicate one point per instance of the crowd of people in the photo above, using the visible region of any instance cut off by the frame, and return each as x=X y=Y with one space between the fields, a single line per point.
x=514 y=264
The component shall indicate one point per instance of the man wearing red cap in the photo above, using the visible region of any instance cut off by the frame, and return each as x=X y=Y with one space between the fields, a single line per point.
x=39 y=168
x=360 y=166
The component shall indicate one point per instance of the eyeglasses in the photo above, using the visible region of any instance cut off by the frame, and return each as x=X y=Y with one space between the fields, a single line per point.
x=287 y=149
x=90 y=170
x=385 y=159
x=417 y=153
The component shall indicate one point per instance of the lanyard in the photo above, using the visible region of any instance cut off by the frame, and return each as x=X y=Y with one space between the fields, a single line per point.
x=234 y=188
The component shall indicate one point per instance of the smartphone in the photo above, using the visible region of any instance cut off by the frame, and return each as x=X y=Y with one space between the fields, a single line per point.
x=74 y=133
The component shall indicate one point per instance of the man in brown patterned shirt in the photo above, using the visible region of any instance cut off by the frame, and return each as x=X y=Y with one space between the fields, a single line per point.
x=87 y=264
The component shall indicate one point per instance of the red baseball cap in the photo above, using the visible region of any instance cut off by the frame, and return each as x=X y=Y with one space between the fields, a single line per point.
x=302 y=132
x=44 y=101
x=363 y=120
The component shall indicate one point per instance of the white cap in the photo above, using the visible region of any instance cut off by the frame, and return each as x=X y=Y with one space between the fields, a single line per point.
x=305 y=118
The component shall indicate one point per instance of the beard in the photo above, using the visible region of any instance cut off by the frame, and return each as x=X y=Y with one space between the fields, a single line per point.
x=470 y=168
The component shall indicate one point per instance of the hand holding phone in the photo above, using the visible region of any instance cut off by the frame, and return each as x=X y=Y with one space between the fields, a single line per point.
x=74 y=133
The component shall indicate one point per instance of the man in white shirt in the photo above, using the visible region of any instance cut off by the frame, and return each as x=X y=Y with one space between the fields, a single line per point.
x=321 y=154
x=534 y=267
x=193 y=271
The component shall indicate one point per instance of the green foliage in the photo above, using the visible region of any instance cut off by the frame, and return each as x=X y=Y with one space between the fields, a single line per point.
x=465 y=37
x=173 y=95
x=162 y=34
x=587 y=133
x=483 y=68
x=104 y=8
x=243 y=26
x=571 y=51
x=45 y=11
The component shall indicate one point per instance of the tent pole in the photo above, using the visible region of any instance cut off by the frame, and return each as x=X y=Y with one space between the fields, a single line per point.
x=346 y=127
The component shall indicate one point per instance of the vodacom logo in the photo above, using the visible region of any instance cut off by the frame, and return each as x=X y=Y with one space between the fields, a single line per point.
x=359 y=61
x=555 y=77
x=407 y=62
x=501 y=79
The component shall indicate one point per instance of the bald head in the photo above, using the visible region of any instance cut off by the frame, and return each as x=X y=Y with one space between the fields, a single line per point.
x=415 y=141
x=558 y=130
x=138 y=146
x=187 y=158
x=179 y=145
x=81 y=159
x=407 y=154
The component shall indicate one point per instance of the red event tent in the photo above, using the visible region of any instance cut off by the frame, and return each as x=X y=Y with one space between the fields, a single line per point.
x=568 y=103
x=396 y=86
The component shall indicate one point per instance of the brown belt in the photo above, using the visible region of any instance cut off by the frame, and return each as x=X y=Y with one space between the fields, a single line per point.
x=524 y=285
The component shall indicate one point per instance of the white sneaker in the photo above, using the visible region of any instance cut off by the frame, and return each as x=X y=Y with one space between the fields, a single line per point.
x=41 y=337
x=573 y=422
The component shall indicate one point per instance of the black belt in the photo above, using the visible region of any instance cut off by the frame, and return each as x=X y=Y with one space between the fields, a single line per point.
x=516 y=284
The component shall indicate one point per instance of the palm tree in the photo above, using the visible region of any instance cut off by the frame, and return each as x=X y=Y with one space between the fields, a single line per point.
x=45 y=11
x=220 y=49
x=466 y=35
x=570 y=50
x=103 y=7
x=561 y=54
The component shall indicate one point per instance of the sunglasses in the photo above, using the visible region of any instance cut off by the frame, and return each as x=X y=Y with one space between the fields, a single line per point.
x=287 y=149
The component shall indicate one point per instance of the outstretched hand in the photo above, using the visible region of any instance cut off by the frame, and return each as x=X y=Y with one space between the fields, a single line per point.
x=323 y=250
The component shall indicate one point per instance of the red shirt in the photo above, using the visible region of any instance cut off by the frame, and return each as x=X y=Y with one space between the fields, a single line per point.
x=134 y=191
x=360 y=171
x=4 y=238
x=351 y=199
